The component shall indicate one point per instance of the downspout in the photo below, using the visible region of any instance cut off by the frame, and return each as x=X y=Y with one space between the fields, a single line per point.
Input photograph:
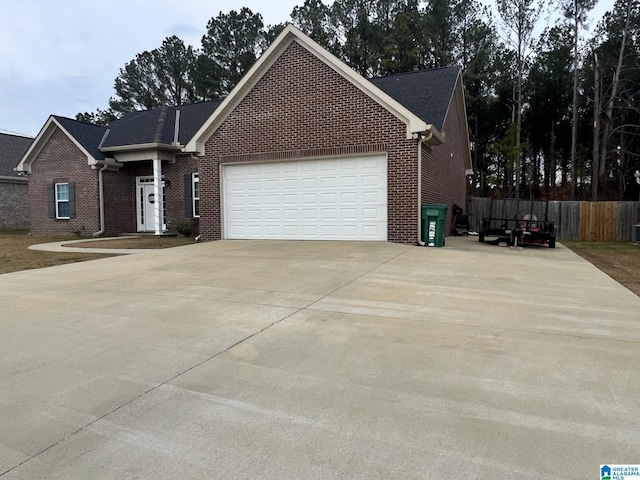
x=423 y=138
x=101 y=195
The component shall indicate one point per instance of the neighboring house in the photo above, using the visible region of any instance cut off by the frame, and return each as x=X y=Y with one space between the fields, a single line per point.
x=302 y=148
x=14 y=204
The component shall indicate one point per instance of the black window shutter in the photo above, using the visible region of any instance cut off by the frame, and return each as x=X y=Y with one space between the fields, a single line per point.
x=51 y=200
x=72 y=200
x=188 y=195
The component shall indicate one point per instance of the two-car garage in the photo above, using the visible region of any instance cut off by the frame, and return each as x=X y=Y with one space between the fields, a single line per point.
x=315 y=199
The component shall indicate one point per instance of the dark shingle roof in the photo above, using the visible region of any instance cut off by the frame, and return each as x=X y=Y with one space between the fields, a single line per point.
x=12 y=148
x=426 y=93
x=87 y=134
x=158 y=125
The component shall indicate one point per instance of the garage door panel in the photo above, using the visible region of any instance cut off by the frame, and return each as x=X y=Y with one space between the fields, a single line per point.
x=331 y=199
x=309 y=183
x=371 y=198
x=309 y=214
x=289 y=184
x=290 y=199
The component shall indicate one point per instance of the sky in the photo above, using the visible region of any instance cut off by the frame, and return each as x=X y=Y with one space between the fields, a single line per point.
x=62 y=57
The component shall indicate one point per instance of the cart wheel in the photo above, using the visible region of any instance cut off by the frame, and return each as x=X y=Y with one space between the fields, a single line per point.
x=552 y=242
x=481 y=237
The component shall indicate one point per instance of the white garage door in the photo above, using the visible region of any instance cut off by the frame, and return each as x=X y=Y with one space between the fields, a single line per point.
x=327 y=199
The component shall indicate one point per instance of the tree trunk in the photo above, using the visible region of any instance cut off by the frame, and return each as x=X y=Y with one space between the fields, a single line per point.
x=622 y=152
x=519 y=117
x=595 y=171
x=614 y=92
x=574 y=122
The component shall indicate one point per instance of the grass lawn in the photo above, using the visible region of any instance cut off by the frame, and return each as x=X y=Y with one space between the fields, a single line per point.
x=15 y=256
x=619 y=260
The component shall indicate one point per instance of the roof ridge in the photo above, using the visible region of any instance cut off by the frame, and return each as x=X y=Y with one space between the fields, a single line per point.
x=423 y=70
x=173 y=107
x=18 y=135
x=82 y=122
x=157 y=137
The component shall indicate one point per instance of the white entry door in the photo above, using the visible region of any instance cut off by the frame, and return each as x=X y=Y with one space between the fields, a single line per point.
x=323 y=199
x=146 y=204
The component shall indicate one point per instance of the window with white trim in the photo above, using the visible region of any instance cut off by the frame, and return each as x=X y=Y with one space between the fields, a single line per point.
x=62 y=200
x=195 y=188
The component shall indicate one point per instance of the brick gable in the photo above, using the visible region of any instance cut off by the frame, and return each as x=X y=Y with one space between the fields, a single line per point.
x=60 y=160
x=302 y=108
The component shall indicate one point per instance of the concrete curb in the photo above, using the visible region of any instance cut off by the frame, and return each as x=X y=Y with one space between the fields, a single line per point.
x=61 y=247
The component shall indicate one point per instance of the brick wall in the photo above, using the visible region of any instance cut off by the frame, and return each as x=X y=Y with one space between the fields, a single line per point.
x=14 y=205
x=174 y=193
x=119 y=201
x=443 y=169
x=62 y=161
x=301 y=108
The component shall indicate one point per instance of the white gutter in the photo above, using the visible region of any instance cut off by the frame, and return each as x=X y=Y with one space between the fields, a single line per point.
x=423 y=138
x=101 y=194
x=13 y=179
x=142 y=146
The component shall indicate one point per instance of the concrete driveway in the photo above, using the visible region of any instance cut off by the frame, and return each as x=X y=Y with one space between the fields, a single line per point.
x=314 y=360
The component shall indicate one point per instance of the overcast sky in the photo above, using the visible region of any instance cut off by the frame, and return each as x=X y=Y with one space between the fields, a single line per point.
x=62 y=57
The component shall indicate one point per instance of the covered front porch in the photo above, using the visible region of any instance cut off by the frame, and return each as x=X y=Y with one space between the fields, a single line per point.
x=136 y=195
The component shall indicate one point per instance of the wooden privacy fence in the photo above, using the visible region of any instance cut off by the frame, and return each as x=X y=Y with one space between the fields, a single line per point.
x=587 y=221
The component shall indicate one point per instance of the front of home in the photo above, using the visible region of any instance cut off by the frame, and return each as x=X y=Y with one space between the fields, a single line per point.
x=302 y=148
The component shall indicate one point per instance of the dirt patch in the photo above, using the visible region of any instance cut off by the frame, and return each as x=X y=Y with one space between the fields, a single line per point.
x=619 y=260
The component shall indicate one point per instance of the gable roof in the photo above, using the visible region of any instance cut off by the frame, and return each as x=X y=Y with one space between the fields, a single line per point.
x=427 y=93
x=158 y=126
x=12 y=148
x=135 y=129
x=87 y=134
x=415 y=124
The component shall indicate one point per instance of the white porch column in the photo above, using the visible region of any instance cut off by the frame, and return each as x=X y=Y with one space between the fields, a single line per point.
x=157 y=193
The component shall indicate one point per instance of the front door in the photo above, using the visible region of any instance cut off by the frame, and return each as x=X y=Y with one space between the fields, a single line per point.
x=146 y=204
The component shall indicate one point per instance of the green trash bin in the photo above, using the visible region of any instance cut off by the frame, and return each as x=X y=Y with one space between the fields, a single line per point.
x=434 y=219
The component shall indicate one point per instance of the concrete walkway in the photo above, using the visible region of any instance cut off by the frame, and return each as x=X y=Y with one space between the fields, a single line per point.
x=62 y=247
x=319 y=360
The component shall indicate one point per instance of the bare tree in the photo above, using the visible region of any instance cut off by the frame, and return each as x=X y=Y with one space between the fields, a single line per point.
x=614 y=91
x=597 y=108
x=520 y=18
x=576 y=12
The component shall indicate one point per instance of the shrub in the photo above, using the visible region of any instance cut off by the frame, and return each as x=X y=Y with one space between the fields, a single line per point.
x=189 y=227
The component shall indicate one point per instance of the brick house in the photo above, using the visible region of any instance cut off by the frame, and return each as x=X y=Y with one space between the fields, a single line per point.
x=302 y=148
x=14 y=205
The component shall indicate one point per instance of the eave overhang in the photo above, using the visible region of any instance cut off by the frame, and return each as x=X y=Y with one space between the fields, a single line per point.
x=143 y=146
